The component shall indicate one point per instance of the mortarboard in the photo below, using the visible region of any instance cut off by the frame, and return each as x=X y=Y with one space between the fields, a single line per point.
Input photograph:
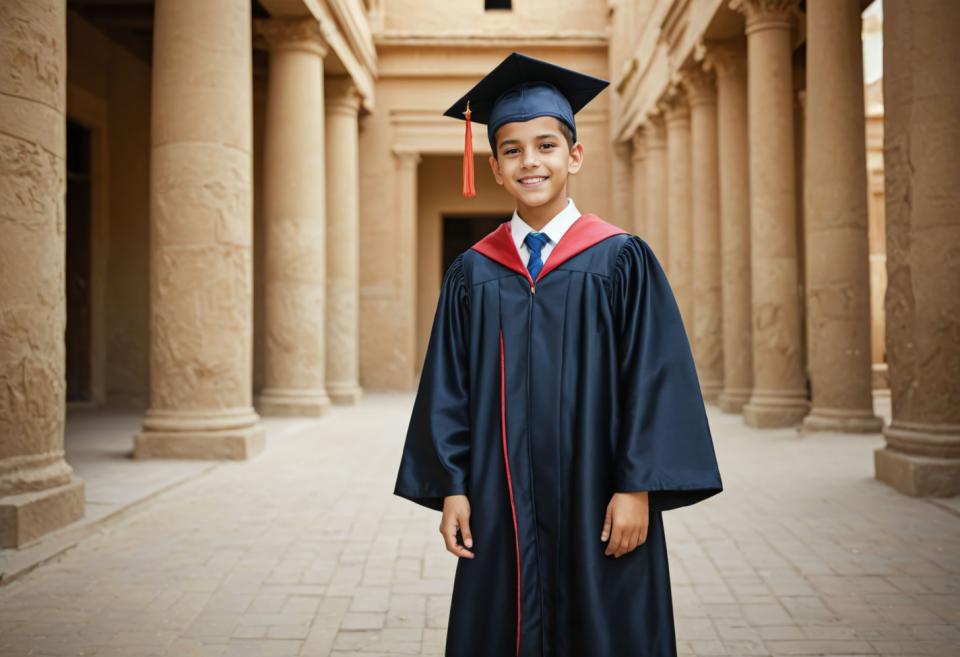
x=521 y=88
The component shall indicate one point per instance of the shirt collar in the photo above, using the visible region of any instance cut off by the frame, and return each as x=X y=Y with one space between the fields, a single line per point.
x=554 y=229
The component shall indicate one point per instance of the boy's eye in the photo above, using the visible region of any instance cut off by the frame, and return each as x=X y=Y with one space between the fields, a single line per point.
x=510 y=151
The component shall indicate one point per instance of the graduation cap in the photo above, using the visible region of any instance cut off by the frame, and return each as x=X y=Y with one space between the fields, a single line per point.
x=521 y=88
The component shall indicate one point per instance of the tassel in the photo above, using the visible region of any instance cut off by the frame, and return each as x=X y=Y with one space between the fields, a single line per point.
x=469 y=189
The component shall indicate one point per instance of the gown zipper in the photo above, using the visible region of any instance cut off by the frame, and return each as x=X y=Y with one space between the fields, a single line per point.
x=536 y=537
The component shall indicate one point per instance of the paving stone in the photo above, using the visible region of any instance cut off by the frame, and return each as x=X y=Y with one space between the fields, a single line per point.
x=262 y=648
x=355 y=620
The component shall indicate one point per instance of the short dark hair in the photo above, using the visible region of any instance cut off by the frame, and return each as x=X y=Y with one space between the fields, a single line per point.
x=567 y=133
x=564 y=130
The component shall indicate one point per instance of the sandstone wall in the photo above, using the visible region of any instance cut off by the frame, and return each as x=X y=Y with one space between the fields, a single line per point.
x=527 y=18
x=102 y=74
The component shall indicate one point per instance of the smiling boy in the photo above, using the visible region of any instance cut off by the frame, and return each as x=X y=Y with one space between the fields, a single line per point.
x=558 y=412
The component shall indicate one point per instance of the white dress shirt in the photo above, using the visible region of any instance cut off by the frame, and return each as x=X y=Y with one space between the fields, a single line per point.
x=554 y=230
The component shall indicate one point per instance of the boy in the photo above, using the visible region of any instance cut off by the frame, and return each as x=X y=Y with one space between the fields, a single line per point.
x=558 y=412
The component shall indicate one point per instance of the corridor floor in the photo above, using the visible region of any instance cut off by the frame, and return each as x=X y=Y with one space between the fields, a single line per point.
x=305 y=551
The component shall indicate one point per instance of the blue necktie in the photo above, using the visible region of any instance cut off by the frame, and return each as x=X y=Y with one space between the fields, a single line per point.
x=535 y=241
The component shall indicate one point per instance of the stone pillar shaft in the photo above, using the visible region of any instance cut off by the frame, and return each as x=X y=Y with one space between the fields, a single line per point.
x=201 y=268
x=729 y=62
x=639 y=222
x=406 y=263
x=779 y=392
x=343 y=234
x=294 y=193
x=680 y=227
x=707 y=309
x=622 y=184
x=655 y=171
x=922 y=165
x=837 y=271
x=38 y=491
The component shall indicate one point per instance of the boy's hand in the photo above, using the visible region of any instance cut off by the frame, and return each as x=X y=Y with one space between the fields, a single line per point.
x=628 y=516
x=456 y=514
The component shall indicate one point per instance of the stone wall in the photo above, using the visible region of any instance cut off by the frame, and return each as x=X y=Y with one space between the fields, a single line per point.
x=100 y=73
x=527 y=18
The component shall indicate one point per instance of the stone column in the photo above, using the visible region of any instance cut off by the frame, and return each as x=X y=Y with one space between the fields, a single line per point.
x=680 y=221
x=294 y=192
x=779 y=393
x=655 y=144
x=260 y=81
x=343 y=245
x=707 y=275
x=621 y=185
x=639 y=184
x=837 y=271
x=922 y=154
x=405 y=333
x=799 y=124
x=201 y=224
x=38 y=491
x=729 y=61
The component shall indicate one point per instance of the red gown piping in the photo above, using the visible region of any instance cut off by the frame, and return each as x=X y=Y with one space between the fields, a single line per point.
x=506 y=461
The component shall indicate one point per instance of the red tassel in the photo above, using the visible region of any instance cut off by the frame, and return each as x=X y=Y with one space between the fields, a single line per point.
x=469 y=188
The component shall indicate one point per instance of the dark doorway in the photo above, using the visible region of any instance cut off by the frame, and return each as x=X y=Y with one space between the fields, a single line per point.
x=462 y=232
x=79 y=194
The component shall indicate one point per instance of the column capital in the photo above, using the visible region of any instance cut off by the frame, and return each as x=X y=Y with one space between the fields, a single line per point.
x=766 y=14
x=292 y=34
x=700 y=86
x=407 y=156
x=726 y=58
x=674 y=105
x=639 y=141
x=342 y=96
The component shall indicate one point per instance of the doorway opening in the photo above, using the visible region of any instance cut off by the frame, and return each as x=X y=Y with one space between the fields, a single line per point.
x=460 y=232
x=78 y=265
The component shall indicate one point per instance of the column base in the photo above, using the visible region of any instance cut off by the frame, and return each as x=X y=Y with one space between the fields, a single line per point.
x=841 y=421
x=279 y=402
x=344 y=393
x=222 y=444
x=732 y=400
x=916 y=475
x=28 y=516
x=770 y=410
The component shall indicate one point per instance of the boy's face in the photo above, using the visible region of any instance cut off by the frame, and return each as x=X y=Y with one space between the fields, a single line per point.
x=534 y=161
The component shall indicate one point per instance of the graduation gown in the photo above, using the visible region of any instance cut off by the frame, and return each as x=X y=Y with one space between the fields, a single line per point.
x=538 y=400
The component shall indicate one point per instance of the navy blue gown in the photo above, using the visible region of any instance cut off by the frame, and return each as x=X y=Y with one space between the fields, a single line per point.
x=538 y=400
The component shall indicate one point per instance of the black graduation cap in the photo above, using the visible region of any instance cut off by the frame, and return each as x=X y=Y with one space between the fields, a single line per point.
x=521 y=88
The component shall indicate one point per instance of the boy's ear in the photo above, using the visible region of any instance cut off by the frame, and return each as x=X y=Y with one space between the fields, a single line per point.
x=576 y=158
x=495 y=166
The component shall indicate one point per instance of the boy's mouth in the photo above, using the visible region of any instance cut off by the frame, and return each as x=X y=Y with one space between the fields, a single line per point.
x=532 y=181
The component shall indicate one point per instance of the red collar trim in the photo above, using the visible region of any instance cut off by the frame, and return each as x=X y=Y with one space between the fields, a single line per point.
x=587 y=230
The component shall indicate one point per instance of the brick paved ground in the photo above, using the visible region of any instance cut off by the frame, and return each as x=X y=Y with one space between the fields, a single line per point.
x=304 y=551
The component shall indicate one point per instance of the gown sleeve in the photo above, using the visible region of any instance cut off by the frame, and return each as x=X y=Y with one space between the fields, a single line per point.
x=436 y=453
x=664 y=444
